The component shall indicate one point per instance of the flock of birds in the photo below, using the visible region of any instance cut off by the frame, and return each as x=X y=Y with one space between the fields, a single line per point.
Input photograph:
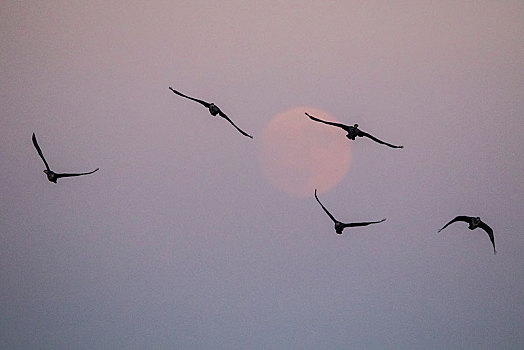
x=352 y=133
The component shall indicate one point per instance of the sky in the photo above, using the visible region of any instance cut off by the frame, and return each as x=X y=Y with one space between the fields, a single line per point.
x=183 y=241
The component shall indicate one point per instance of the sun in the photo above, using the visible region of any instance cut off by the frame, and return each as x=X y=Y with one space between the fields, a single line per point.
x=299 y=155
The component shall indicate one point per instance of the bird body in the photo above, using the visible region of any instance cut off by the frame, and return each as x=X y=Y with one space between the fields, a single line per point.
x=473 y=223
x=340 y=226
x=213 y=109
x=51 y=175
x=353 y=131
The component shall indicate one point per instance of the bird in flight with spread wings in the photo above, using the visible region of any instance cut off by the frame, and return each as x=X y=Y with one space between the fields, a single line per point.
x=51 y=175
x=340 y=226
x=474 y=222
x=213 y=109
x=352 y=131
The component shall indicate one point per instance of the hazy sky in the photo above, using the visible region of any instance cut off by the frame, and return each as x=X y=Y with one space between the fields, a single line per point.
x=181 y=241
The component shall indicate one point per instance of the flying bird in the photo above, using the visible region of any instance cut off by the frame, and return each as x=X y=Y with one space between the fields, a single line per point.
x=340 y=226
x=353 y=131
x=213 y=109
x=474 y=222
x=51 y=175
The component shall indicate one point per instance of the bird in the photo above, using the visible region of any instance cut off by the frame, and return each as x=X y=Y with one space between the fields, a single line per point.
x=213 y=109
x=352 y=131
x=340 y=226
x=474 y=222
x=51 y=175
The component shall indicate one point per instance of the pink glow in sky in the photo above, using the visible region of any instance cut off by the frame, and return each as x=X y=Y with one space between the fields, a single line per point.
x=299 y=156
x=180 y=241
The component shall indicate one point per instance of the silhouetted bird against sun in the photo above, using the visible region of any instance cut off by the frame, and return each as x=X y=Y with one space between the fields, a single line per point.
x=474 y=222
x=340 y=226
x=353 y=131
x=51 y=175
x=213 y=109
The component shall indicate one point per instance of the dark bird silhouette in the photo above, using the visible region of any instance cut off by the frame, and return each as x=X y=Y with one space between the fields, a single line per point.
x=474 y=222
x=340 y=226
x=353 y=131
x=213 y=109
x=51 y=175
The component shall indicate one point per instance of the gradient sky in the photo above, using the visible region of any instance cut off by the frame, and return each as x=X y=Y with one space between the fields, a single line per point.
x=181 y=242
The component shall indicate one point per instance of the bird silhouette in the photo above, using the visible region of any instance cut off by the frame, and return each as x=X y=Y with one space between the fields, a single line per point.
x=51 y=175
x=340 y=226
x=353 y=131
x=213 y=109
x=474 y=222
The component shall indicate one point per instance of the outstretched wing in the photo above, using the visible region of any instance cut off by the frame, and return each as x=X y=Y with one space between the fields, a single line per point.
x=458 y=218
x=365 y=134
x=489 y=231
x=223 y=115
x=343 y=126
x=75 y=174
x=40 y=152
x=355 y=224
x=204 y=103
x=323 y=207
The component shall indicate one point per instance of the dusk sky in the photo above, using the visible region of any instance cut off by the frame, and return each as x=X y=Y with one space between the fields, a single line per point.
x=193 y=236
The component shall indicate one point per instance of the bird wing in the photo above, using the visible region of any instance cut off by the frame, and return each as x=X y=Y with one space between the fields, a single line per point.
x=365 y=134
x=223 y=115
x=204 y=103
x=489 y=231
x=323 y=207
x=40 y=151
x=343 y=126
x=355 y=224
x=75 y=174
x=458 y=218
